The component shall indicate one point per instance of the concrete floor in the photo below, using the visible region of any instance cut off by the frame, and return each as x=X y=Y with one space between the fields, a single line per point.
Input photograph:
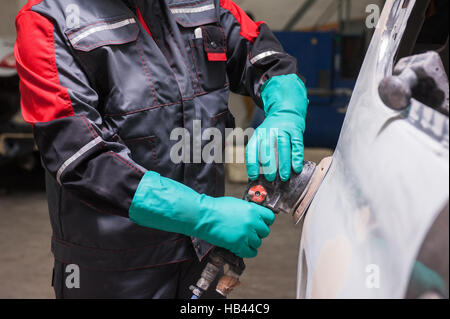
x=26 y=261
x=273 y=273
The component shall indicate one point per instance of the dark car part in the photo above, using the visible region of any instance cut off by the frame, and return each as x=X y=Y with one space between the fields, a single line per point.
x=421 y=77
x=16 y=141
x=9 y=97
x=430 y=273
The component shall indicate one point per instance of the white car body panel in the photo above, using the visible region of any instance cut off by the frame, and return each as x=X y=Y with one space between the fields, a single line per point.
x=388 y=182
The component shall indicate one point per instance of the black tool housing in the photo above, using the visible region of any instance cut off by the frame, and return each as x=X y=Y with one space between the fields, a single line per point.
x=283 y=197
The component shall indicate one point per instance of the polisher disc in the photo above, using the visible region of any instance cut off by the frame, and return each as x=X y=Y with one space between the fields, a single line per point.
x=307 y=196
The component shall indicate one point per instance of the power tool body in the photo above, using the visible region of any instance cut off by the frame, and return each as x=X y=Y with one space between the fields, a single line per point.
x=292 y=197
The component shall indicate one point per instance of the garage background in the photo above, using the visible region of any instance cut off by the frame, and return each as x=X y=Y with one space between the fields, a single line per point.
x=25 y=258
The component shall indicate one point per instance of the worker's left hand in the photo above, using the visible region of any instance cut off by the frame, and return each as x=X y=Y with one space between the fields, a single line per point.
x=285 y=105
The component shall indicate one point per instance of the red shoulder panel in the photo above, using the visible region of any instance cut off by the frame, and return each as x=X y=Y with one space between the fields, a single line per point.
x=42 y=97
x=249 y=28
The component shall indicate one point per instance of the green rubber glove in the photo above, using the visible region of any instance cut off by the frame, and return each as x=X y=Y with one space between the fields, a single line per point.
x=285 y=105
x=231 y=223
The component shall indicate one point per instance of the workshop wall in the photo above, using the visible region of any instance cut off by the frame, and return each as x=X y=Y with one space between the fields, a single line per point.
x=8 y=11
x=277 y=13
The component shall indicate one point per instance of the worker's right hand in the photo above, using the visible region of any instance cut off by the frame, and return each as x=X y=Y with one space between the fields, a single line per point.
x=231 y=223
x=234 y=224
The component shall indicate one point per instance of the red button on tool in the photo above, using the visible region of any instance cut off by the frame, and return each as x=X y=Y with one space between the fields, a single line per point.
x=257 y=194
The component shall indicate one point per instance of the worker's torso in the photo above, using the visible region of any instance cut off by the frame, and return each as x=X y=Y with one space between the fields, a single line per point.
x=148 y=86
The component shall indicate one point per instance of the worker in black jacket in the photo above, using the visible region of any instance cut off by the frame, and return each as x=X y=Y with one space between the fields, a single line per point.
x=105 y=83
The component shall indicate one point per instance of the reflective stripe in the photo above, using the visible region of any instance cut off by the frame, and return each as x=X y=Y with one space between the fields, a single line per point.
x=77 y=155
x=262 y=56
x=104 y=27
x=193 y=10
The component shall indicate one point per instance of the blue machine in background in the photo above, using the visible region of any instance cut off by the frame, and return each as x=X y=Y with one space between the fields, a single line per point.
x=329 y=63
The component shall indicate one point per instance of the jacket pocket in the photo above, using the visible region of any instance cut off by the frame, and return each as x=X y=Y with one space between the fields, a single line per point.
x=209 y=55
x=205 y=41
x=114 y=31
x=112 y=55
